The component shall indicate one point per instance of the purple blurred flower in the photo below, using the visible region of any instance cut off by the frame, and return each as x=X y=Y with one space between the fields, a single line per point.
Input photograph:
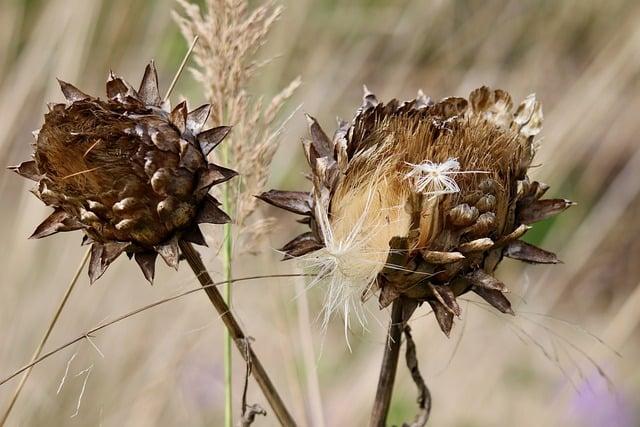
x=596 y=404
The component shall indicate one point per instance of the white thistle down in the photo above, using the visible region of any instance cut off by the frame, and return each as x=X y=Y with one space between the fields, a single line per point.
x=435 y=179
x=344 y=266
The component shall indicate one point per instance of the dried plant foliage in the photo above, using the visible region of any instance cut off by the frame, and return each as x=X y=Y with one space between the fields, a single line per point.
x=230 y=35
x=129 y=172
x=421 y=200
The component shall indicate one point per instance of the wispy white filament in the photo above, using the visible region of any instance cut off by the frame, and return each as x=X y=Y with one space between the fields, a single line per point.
x=436 y=179
x=342 y=266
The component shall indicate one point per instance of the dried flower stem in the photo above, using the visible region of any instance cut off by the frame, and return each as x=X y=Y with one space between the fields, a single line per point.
x=235 y=332
x=389 y=367
x=45 y=337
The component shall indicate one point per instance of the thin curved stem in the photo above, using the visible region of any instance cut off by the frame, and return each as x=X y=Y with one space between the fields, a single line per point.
x=45 y=337
x=118 y=319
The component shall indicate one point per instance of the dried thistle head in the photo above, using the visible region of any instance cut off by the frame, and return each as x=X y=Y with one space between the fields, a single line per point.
x=421 y=200
x=127 y=171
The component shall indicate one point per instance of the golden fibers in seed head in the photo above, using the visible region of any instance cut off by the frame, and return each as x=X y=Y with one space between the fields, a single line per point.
x=131 y=174
x=421 y=200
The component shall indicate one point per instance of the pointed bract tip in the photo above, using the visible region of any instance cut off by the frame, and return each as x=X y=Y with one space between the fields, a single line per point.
x=149 y=91
x=197 y=118
x=211 y=138
x=70 y=92
x=27 y=169
x=146 y=261
x=310 y=119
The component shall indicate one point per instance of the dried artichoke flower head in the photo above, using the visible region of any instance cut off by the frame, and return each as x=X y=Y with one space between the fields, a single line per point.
x=127 y=171
x=421 y=200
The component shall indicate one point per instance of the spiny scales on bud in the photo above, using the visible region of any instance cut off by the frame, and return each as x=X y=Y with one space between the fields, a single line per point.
x=131 y=174
x=423 y=199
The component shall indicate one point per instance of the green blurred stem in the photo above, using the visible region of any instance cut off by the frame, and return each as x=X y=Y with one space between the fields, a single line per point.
x=228 y=272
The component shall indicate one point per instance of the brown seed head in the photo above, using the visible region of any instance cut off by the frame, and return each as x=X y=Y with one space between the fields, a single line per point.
x=129 y=173
x=424 y=199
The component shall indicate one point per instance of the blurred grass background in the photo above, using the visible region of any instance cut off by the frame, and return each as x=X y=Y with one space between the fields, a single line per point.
x=164 y=367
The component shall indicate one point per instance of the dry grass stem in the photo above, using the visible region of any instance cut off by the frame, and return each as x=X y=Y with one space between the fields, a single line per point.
x=127 y=315
x=45 y=337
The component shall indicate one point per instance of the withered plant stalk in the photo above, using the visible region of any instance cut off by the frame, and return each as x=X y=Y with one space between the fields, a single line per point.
x=389 y=367
x=236 y=333
x=231 y=33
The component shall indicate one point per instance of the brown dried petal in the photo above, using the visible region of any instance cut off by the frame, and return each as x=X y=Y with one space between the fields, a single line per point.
x=149 y=92
x=436 y=257
x=388 y=294
x=463 y=215
x=301 y=245
x=215 y=175
x=170 y=252
x=210 y=138
x=477 y=245
x=445 y=295
x=190 y=157
x=294 y=201
x=514 y=235
x=488 y=186
x=96 y=266
x=27 y=169
x=165 y=141
x=484 y=280
x=147 y=263
x=543 y=209
x=210 y=213
x=449 y=107
x=72 y=93
x=319 y=138
x=194 y=235
x=484 y=226
x=486 y=203
x=113 y=250
x=116 y=87
x=443 y=316
x=495 y=298
x=178 y=116
x=197 y=118
x=481 y=99
x=58 y=221
x=527 y=252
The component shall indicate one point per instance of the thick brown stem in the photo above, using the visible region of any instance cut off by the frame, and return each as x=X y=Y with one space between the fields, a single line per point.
x=270 y=392
x=389 y=367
